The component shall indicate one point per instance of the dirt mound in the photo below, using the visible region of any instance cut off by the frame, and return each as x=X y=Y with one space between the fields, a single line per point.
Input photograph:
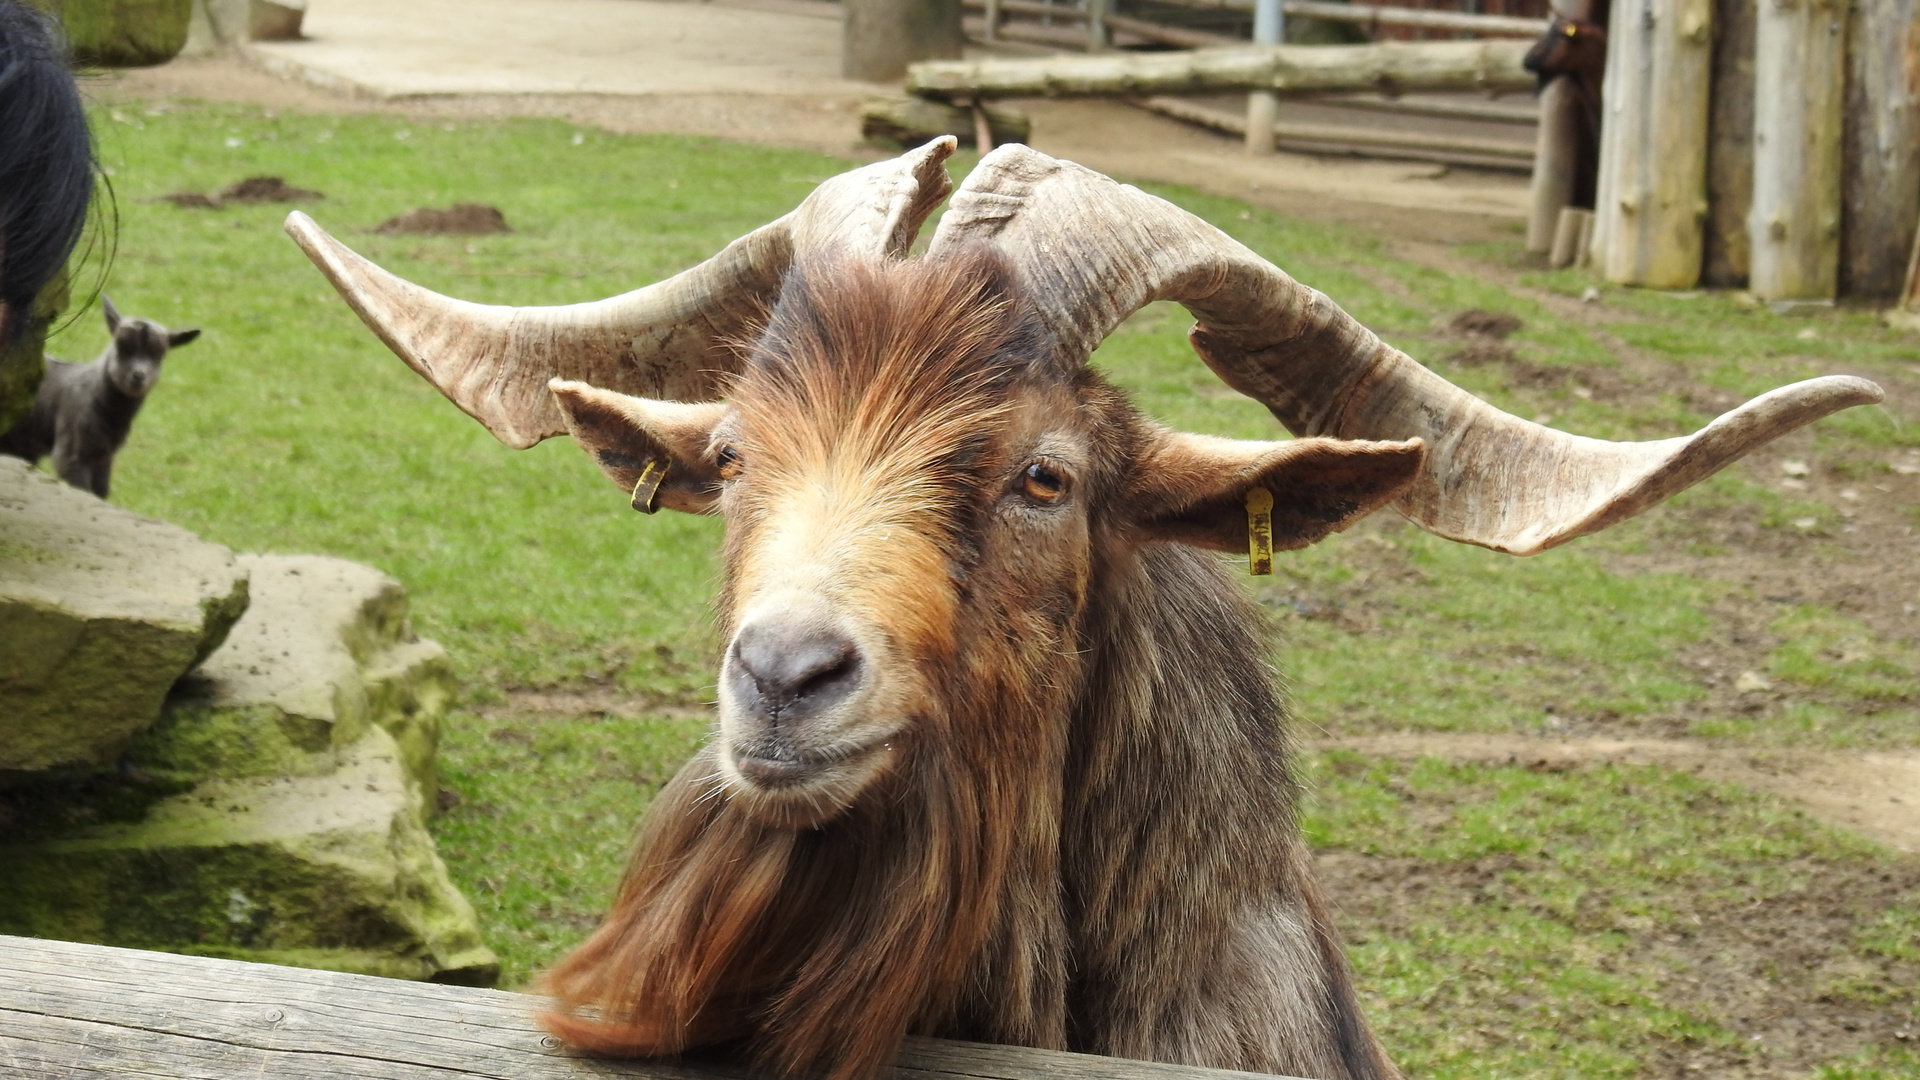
x=466 y=219
x=254 y=189
x=1475 y=322
x=259 y=189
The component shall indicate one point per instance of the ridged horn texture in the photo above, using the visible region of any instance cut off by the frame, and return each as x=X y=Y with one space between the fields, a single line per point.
x=1092 y=252
x=667 y=340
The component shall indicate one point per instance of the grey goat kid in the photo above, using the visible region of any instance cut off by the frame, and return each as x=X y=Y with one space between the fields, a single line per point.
x=83 y=411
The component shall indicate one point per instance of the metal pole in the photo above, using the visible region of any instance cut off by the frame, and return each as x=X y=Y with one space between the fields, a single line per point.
x=1263 y=107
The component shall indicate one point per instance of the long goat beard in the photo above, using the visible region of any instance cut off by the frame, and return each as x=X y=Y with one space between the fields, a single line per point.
x=820 y=949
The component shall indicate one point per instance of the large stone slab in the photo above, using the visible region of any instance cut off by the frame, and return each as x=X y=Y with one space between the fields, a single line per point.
x=334 y=871
x=101 y=611
x=325 y=653
x=276 y=811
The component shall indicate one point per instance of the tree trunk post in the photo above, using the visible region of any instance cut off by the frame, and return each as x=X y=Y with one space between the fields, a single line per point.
x=1653 y=143
x=1263 y=108
x=879 y=38
x=1799 y=72
x=1727 y=254
x=1880 y=158
x=1556 y=156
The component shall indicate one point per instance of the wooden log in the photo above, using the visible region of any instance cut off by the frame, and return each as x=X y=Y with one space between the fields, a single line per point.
x=1387 y=15
x=1653 y=143
x=1880 y=147
x=1556 y=162
x=83 y=1011
x=1799 y=75
x=1525 y=112
x=1483 y=152
x=1572 y=230
x=879 y=38
x=909 y=122
x=1390 y=67
x=1725 y=253
x=1168 y=35
x=1371 y=15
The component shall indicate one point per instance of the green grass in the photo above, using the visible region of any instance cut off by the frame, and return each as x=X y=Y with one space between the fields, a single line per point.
x=288 y=428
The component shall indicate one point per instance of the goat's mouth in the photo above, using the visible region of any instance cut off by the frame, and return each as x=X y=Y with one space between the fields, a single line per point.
x=801 y=787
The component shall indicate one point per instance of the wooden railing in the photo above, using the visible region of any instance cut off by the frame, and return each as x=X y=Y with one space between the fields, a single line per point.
x=83 y=1011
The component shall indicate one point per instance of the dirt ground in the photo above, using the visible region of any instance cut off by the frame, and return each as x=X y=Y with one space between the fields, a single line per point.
x=1427 y=210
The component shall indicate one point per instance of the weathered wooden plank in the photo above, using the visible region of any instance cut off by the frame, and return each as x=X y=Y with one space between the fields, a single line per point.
x=74 y=1010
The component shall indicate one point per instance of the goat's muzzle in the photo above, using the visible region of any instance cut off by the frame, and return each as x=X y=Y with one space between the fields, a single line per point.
x=798 y=743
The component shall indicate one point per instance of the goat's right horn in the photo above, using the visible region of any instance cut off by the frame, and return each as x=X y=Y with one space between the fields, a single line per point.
x=1091 y=252
x=668 y=340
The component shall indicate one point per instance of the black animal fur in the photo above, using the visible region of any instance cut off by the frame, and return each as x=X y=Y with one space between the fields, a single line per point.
x=46 y=162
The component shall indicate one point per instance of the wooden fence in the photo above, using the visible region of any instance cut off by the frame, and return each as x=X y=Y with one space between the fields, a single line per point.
x=78 y=1011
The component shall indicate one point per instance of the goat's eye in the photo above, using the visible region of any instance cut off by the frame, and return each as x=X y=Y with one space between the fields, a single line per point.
x=728 y=460
x=1042 y=484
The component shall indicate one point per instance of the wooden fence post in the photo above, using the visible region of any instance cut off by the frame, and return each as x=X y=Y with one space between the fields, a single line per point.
x=1653 y=143
x=879 y=38
x=1727 y=255
x=1556 y=154
x=1880 y=156
x=1799 y=67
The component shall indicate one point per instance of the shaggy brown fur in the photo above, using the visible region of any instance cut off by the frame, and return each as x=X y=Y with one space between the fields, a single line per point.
x=1077 y=830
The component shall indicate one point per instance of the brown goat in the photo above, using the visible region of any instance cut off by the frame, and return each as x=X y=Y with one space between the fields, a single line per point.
x=1028 y=782
x=997 y=751
x=1576 y=50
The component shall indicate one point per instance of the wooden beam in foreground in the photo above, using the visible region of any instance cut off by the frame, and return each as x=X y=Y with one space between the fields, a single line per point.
x=78 y=1011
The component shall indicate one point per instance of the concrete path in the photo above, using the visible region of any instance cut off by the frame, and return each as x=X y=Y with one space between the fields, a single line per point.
x=634 y=47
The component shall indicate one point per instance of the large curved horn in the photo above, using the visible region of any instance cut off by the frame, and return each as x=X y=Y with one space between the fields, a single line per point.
x=667 y=340
x=1093 y=251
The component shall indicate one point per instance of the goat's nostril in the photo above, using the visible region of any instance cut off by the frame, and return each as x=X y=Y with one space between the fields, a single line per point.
x=796 y=664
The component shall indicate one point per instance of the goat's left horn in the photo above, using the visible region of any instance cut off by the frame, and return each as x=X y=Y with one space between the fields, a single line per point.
x=667 y=340
x=1092 y=252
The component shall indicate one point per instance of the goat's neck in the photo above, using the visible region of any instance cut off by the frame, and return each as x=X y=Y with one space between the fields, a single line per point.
x=114 y=408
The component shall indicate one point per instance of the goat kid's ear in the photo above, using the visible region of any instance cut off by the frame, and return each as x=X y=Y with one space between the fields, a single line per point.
x=632 y=438
x=112 y=313
x=1192 y=489
x=181 y=337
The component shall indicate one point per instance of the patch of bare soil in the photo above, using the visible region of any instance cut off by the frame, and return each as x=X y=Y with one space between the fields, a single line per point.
x=588 y=699
x=254 y=189
x=1783 y=972
x=1876 y=795
x=460 y=219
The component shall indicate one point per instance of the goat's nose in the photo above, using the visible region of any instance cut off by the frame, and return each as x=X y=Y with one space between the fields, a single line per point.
x=787 y=670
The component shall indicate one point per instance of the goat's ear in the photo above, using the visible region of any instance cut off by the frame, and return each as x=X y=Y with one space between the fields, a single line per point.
x=632 y=439
x=112 y=313
x=182 y=337
x=1193 y=489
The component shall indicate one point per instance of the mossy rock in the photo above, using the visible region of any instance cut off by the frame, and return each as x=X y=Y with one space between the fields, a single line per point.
x=123 y=33
x=333 y=871
x=102 y=610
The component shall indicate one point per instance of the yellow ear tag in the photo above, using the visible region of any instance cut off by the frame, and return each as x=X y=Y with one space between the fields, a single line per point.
x=1259 y=531
x=646 y=490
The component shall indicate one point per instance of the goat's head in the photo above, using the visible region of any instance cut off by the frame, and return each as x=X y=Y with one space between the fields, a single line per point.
x=921 y=480
x=915 y=489
x=139 y=345
x=1568 y=47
